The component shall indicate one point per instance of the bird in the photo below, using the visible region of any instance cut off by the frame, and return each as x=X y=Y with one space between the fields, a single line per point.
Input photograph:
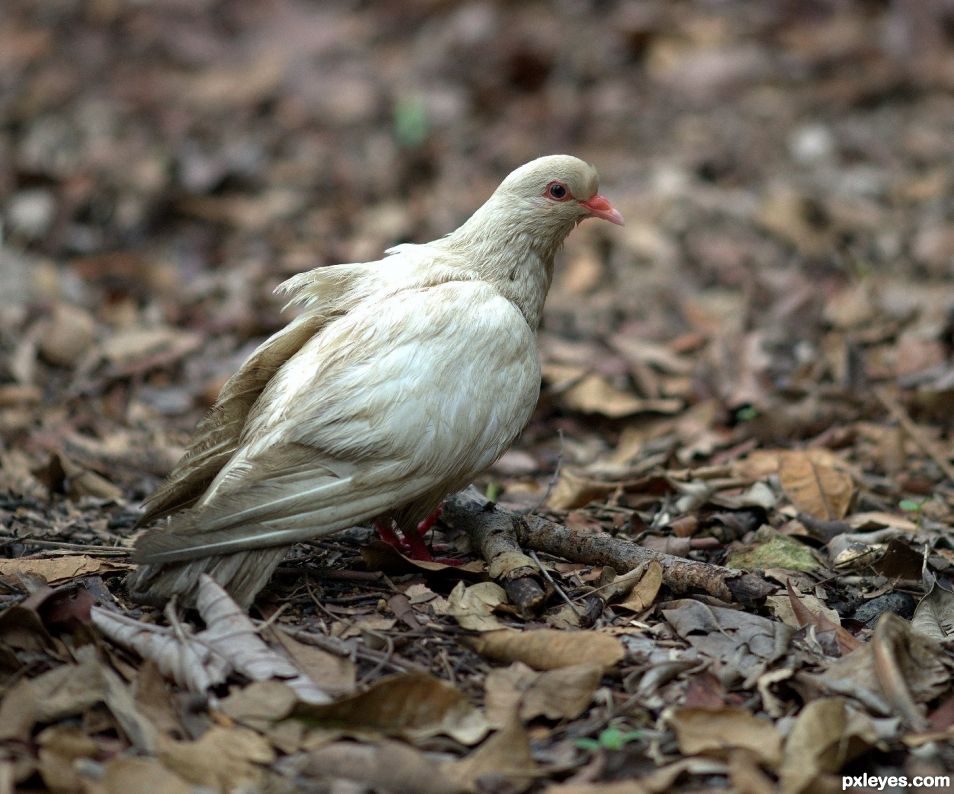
x=400 y=381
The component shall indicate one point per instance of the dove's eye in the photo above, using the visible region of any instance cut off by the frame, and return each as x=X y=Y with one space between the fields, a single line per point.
x=557 y=191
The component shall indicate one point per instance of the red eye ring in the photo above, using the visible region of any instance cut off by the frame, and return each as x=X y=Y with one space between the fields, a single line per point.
x=557 y=191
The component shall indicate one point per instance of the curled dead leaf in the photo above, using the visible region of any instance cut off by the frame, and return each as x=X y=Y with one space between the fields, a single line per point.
x=61 y=569
x=817 y=482
x=827 y=734
x=415 y=706
x=718 y=731
x=549 y=649
x=564 y=693
x=473 y=606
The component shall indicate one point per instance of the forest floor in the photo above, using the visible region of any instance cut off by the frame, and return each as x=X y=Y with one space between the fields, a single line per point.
x=756 y=372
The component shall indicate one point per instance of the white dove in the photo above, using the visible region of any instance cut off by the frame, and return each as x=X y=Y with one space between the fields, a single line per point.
x=401 y=381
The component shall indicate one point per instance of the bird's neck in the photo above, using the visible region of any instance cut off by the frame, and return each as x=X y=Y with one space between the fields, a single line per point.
x=518 y=263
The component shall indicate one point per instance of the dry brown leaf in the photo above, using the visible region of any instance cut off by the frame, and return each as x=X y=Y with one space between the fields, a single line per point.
x=472 y=607
x=781 y=607
x=503 y=762
x=827 y=734
x=222 y=758
x=259 y=704
x=55 y=570
x=876 y=519
x=564 y=693
x=59 y=747
x=617 y=787
x=747 y=776
x=897 y=670
x=759 y=464
x=934 y=614
x=644 y=593
x=72 y=689
x=123 y=774
x=593 y=394
x=549 y=649
x=230 y=641
x=660 y=781
x=384 y=766
x=574 y=490
x=333 y=674
x=82 y=481
x=717 y=732
x=816 y=482
x=415 y=706
x=818 y=618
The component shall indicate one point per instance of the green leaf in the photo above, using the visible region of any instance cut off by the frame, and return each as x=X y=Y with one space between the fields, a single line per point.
x=910 y=505
x=411 y=125
x=746 y=413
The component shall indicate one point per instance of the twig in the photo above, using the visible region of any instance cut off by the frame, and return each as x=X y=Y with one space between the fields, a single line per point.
x=339 y=647
x=533 y=532
x=492 y=534
x=559 y=590
x=915 y=433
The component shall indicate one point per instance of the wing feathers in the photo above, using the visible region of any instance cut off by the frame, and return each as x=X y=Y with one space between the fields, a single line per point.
x=217 y=436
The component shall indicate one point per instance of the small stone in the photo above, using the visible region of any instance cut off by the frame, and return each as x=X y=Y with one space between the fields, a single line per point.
x=30 y=212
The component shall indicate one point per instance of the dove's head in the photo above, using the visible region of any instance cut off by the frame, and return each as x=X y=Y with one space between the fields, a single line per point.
x=512 y=239
x=555 y=190
x=535 y=208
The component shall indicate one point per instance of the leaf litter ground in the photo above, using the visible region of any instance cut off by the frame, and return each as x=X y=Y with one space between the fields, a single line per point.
x=754 y=373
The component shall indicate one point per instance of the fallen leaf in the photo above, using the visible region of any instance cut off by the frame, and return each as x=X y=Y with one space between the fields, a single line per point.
x=72 y=689
x=260 y=704
x=222 y=758
x=123 y=774
x=574 y=490
x=564 y=693
x=744 y=644
x=415 y=706
x=772 y=549
x=229 y=641
x=549 y=649
x=473 y=606
x=384 y=766
x=901 y=669
x=55 y=570
x=503 y=762
x=716 y=732
x=644 y=593
x=816 y=482
x=934 y=614
x=595 y=395
x=827 y=734
x=333 y=674
x=59 y=747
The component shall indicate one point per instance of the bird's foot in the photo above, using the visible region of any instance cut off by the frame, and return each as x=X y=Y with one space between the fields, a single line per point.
x=424 y=526
x=412 y=545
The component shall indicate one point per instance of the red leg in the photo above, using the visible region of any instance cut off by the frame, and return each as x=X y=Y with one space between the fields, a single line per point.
x=417 y=548
x=424 y=526
x=383 y=527
x=413 y=543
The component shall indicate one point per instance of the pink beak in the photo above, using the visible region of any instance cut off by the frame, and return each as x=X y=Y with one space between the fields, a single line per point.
x=599 y=207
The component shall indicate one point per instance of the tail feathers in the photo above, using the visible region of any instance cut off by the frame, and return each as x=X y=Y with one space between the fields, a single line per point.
x=242 y=575
x=264 y=516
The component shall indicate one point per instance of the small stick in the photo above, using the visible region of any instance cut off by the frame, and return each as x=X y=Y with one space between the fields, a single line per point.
x=559 y=590
x=470 y=508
